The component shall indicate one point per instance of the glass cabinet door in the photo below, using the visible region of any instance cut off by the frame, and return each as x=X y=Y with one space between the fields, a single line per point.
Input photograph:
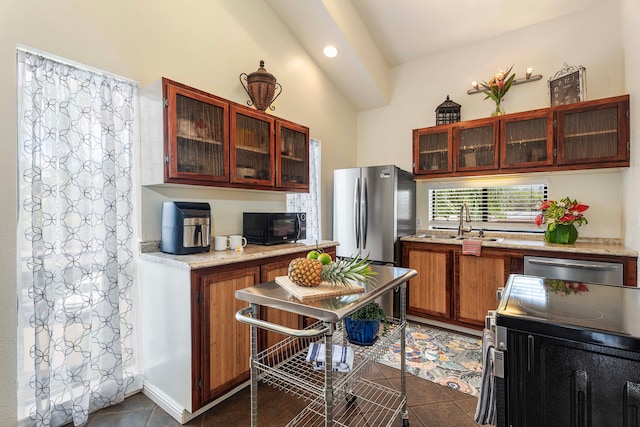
x=527 y=140
x=476 y=143
x=292 y=155
x=592 y=132
x=431 y=150
x=252 y=147
x=197 y=135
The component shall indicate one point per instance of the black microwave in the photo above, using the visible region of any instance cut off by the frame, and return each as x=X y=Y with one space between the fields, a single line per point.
x=262 y=228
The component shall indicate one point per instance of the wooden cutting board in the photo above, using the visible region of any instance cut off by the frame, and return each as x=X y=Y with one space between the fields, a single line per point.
x=323 y=290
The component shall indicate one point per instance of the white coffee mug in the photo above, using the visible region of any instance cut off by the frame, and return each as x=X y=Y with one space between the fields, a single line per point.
x=220 y=243
x=236 y=241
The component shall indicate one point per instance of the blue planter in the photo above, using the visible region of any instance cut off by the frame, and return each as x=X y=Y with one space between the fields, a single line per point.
x=362 y=332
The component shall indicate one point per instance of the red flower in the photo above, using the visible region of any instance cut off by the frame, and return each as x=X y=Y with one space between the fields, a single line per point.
x=564 y=211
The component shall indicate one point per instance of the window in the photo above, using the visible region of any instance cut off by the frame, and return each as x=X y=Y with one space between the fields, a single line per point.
x=310 y=202
x=492 y=207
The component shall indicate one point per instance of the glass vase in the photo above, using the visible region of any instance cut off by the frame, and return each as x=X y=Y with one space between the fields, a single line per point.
x=499 y=111
x=562 y=233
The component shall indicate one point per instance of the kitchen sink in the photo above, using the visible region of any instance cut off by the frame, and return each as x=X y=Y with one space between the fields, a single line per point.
x=484 y=239
x=456 y=237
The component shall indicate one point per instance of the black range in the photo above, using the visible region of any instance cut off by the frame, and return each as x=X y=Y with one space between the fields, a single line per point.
x=567 y=353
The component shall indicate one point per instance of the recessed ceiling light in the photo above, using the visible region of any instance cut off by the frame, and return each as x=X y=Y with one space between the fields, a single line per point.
x=330 y=51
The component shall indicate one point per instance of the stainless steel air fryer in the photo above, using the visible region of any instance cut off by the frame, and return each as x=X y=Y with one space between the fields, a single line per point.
x=185 y=227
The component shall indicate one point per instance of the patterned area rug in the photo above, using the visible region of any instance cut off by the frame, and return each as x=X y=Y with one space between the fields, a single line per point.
x=444 y=357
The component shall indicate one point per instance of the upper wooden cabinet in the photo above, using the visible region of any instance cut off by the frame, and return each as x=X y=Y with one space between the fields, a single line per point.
x=197 y=129
x=252 y=147
x=476 y=145
x=432 y=149
x=526 y=140
x=192 y=137
x=594 y=132
x=292 y=156
x=585 y=135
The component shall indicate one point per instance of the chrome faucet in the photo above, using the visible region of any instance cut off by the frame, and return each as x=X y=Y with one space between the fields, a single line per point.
x=461 y=229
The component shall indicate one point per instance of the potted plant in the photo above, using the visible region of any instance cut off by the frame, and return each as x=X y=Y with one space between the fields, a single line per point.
x=363 y=324
x=561 y=218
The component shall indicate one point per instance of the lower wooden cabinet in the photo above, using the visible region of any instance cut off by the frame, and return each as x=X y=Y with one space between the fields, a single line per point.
x=429 y=293
x=478 y=279
x=285 y=318
x=460 y=289
x=194 y=351
x=220 y=344
x=452 y=287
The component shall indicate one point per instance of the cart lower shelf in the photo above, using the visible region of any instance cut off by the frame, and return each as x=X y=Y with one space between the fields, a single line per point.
x=356 y=401
x=368 y=404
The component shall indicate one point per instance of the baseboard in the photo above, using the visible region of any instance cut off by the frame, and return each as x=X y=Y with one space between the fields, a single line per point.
x=444 y=325
x=176 y=411
x=169 y=405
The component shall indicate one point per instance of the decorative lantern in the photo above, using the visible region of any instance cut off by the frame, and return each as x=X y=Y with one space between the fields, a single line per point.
x=447 y=112
x=261 y=88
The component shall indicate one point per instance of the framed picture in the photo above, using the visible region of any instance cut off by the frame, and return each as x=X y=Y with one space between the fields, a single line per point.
x=568 y=86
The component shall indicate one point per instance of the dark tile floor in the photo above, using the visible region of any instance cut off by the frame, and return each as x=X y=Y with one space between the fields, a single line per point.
x=429 y=405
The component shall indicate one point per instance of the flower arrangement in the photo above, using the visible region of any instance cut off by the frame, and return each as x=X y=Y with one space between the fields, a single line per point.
x=564 y=211
x=497 y=88
x=561 y=217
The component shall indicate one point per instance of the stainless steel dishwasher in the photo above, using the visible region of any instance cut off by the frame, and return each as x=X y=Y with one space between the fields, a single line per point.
x=610 y=273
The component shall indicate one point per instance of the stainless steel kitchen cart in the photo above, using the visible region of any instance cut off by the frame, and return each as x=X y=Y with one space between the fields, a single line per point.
x=335 y=398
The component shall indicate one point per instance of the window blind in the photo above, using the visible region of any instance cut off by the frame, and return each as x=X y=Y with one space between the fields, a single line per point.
x=512 y=207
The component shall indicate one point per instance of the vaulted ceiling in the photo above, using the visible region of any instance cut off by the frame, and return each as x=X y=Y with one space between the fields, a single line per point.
x=372 y=36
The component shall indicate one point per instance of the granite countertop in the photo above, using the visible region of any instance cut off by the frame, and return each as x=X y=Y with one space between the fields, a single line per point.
x=527 y=241
x=217 y=258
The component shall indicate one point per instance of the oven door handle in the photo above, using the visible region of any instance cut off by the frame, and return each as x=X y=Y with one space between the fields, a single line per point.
x=573 y=265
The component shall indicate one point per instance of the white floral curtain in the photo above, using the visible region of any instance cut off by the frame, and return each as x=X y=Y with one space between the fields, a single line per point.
x=310 y=202
x=76 y=348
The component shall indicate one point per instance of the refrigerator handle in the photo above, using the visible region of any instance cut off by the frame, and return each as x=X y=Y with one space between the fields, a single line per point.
x=356 y=211
x=364 y=212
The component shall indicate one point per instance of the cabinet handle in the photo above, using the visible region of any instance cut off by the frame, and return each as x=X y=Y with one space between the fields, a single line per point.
x=530 y=350
x=581 y=399
x=631 y=404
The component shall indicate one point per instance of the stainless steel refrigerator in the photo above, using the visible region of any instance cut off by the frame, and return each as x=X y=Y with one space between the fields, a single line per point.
x=372 y=208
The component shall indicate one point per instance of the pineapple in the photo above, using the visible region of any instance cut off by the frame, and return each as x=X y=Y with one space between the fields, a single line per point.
x=305 y=272
x=311 y=272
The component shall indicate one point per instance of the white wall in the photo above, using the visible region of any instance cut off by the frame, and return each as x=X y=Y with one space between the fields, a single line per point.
x=591 y=38
x=204 y=44
x=631 y=34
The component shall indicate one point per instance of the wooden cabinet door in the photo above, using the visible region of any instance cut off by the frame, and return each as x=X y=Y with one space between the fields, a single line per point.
x=429 y=292
x=292 y=156
x=476 y=145
x=478 y=279
x=432 y=150
x=526 y=140
x=220 y=344
x=269 y=272
x=196 y=135
x=252 y=147
x=594 y=132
